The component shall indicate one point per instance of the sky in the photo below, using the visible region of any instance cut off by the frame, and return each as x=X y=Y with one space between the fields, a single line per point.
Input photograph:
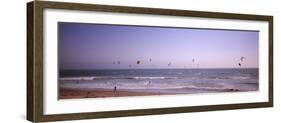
x=100 y=46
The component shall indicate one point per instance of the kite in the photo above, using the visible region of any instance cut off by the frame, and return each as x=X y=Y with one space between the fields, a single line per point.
x=170 y=64
x=242 y=58
x=193 y=60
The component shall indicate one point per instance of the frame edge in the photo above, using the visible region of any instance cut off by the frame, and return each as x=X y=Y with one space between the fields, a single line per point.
x=30 y=41
x=271 y=55
x=145 y=10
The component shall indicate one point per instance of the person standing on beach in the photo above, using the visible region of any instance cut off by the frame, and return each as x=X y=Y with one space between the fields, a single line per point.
x=115 y=88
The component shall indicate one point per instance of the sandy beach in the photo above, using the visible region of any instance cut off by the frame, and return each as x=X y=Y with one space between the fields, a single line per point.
x=99 y=93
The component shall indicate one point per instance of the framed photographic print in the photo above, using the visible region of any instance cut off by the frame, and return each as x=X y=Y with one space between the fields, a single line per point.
x=96 y=61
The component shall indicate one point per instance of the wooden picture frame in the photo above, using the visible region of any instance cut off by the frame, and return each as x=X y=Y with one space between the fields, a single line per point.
x=35 y=60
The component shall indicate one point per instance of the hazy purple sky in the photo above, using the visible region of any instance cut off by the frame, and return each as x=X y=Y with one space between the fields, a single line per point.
x=97 y=46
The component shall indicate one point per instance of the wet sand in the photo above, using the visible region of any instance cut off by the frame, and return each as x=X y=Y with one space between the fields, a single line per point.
x=99 y=93
x=66 y=93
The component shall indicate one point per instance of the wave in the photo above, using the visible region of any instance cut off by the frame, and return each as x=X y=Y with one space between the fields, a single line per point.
x=150 y=78
x=240 y=77
x=108 y=77
x=89 y=78
x=158 y=88
x=233 y=78
x=78 y=78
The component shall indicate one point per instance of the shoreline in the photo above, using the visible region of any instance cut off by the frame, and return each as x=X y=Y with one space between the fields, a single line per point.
x=65 y=93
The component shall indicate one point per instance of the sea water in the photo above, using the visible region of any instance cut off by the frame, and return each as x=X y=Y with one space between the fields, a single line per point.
x=172 y=81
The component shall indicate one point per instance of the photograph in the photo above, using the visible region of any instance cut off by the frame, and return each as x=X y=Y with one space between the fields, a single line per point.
x=89 y=61
x=107 y=60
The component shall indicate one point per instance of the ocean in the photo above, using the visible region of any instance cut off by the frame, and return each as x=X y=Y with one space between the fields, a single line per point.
x=170 y=81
